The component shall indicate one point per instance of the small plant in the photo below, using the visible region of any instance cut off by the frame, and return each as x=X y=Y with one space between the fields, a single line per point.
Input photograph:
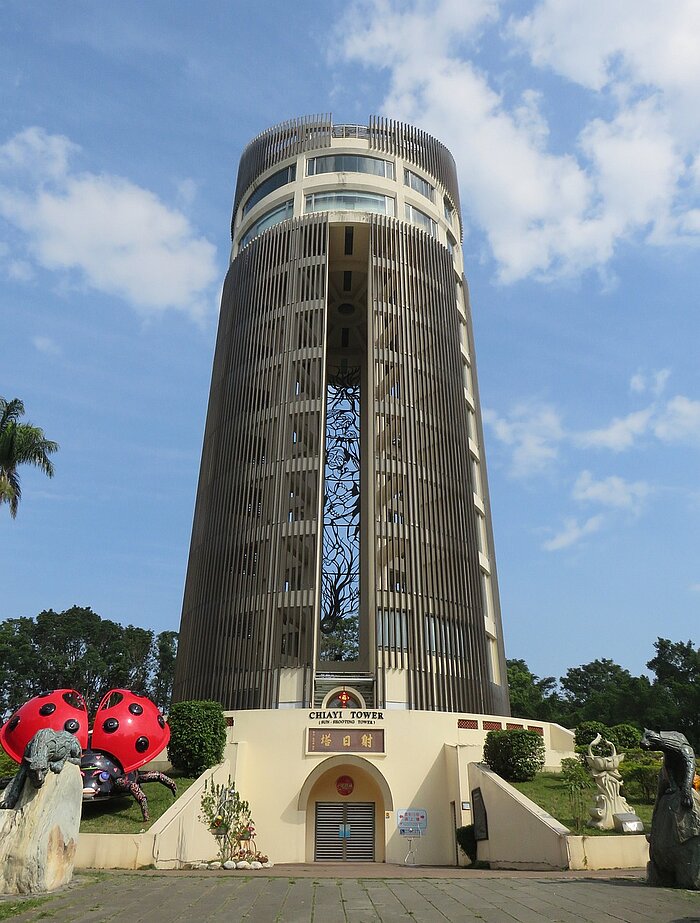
x=197 y=736
x=578 y=782
x=515 y=755
x=228 y=818
x=466 y=839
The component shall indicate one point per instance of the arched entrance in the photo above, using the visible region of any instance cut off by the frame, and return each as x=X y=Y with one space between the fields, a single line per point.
x=344 y=799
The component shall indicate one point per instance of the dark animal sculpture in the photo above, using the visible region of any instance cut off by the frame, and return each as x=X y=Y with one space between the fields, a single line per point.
x=128 y=731
x=47 y=751
x=674 y=842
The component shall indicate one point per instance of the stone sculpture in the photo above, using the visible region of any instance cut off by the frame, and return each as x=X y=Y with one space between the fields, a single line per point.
x=47 y=750
x=674 y=842
x=606 y=774
x=41 y=817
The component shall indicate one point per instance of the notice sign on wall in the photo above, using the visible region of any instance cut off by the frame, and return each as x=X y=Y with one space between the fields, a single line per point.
x=345 y=740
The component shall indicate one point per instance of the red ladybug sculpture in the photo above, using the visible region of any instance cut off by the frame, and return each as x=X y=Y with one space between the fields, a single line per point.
x=130 y=727
x=128 y=731
x=60 y=710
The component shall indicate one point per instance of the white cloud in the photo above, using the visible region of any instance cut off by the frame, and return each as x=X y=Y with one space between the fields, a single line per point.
x=572 y=533
x=598 y=44
x=120 y=238
x=679 y=421
x=532 y=432
x=633 y=173
x=46 y=345
x=655 y=382
x=612 y=492
x=620 y=434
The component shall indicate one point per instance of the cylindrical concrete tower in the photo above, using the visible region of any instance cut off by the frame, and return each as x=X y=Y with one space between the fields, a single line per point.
x=342 y=551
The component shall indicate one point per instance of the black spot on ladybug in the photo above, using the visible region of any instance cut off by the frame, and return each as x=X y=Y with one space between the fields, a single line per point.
x=161 y=721
x=47 y=709
x=111 y=725
x=72 y=726
x=136 y=709
x=142 y=744
x=13 y=723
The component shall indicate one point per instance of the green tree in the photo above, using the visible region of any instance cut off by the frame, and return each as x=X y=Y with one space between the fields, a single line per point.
x=604 y=691
x=78 y=649
x=165 y=654
x=20 y=444
x=530 y=696
x=676 y=666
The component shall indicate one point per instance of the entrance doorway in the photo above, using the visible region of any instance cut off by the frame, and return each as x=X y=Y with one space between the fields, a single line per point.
x=344 y=831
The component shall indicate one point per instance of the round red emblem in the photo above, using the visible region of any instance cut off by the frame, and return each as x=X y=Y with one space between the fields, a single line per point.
x=344 y=785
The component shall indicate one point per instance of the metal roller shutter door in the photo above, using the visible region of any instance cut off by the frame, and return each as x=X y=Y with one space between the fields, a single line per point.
x=356 y=820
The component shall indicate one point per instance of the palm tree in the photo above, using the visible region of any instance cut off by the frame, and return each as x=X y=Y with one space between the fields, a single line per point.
x=20 y=444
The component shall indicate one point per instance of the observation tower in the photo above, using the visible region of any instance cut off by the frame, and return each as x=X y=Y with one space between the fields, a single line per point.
x=342 y=551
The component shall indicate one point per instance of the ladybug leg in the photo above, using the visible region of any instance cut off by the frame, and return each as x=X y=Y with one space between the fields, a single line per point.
x=133 y=788
x=158 y=777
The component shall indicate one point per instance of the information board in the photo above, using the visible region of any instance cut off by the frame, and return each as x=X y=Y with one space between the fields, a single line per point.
x=416 y=818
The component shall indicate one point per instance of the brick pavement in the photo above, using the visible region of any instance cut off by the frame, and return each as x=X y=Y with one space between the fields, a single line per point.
x=334 y=894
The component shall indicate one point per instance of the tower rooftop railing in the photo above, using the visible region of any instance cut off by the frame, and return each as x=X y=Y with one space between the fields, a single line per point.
x=317 y=132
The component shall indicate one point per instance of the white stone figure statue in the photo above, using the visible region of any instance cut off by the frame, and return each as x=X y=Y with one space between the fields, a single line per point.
x=605 y=772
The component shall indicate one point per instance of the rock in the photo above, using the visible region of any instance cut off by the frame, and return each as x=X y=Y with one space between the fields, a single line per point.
x=256 y=865
x=229 y=864
x=268 y=865
x=39 y=836
x=243 y=864
x=202 y=865
x=214 y=866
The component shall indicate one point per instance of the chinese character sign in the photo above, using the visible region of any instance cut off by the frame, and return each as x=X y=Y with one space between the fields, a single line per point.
x=341 y=740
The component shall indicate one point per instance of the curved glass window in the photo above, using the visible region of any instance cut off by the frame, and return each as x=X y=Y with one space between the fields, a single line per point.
x=418 y=184
x=449 y=211
x=281 y=178
x=349 y=201
x=416 y=216
x=349 y=163
x=268 y=220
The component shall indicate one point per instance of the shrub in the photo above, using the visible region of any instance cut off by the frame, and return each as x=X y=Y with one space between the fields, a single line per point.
x=197 y=736
x=467 y=842
x=624 y=736
x=586 y=732
x=640 y=775
x=515 y=755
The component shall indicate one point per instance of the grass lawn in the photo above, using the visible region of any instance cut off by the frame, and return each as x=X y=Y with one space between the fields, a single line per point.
x=123 y=815
x=548 y=791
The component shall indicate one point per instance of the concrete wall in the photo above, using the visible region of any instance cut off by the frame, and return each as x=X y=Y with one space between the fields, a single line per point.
x=521 y=834
x=176 y=838
x=425 y=764
x=524 y=836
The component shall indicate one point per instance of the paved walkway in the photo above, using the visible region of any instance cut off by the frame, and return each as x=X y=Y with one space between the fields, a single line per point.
x=351 y=895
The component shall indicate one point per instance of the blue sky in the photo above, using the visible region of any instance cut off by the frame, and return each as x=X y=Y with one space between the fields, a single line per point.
x=577 y=138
